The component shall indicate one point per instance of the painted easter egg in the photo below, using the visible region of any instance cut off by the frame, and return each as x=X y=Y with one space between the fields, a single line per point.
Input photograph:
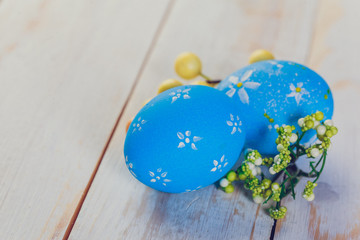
x=184 y=139
x=272 y=93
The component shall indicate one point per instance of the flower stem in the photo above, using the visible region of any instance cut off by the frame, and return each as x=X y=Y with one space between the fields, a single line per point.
x=213 y=81
x=305 y=174
x=292 y=152
x=208 y=80
x=282 y=186
x=297 y=145
x=205 y=77
x=291 y=183
x=322 y=168
x=271 y=195
x=296 y=180
x=299 y=139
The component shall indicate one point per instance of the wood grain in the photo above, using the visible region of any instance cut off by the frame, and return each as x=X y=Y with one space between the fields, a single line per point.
x=335 y=212
x=222 y=33
x=66 y=69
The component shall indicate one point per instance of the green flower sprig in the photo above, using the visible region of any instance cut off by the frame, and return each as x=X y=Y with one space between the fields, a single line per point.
x=283 y=165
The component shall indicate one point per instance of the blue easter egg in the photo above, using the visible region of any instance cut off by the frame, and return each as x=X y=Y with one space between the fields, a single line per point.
x=184 y=139
x=272 y=93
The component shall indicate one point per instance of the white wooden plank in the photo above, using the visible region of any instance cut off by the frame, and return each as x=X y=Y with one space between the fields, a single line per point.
x=66 y=69
x=335 y=212
x=222 y=33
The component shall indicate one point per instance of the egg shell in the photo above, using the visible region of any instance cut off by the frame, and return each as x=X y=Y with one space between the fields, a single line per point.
x=184 y=139
x=285 y=91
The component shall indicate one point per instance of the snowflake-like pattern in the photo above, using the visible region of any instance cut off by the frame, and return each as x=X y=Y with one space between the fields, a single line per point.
x=235 y=123
x=180 y=93
x=187 y=140
x=159 y=176
x=219 y=165
x=137 y=125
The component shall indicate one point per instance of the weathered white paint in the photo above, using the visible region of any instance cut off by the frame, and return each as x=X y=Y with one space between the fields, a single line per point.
x=335 y=212
x=66 y=69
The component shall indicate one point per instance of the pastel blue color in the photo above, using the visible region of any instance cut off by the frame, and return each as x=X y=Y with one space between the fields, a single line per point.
x=285 y=91
x=184 y=139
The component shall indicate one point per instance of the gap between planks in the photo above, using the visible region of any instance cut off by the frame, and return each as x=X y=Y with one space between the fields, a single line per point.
x=148 y=54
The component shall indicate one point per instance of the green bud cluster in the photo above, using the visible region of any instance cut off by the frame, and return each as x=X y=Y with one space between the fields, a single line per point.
x=244 y=171
x=276 y=190
x=268 y=161
x=326 y=143
x=285 y=133
x=249 y=168
x=311 y=121
x=327 y=134
x=282 y=160
x=260 y=189
x=226 y=183
x=290 y=149
x=247 y=172
x=325 y=130
x=314 y=151
x=254 y=157
x=251 y=183
x=278 y=213
x=308 y=193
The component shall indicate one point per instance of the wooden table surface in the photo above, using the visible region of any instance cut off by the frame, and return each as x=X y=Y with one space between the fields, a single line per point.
x=72 y=74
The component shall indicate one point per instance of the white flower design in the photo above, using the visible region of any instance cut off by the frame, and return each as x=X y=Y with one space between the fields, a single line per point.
x=242 y=85
x=159 y=176
x=235 y=123
x=180 y=93
x=130 y=166
x=219 y=165
x=297 y=92
x=187 y=140
x=137 y=125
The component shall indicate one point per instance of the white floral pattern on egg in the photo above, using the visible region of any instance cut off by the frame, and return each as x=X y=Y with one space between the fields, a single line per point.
x=191 y=137
x=273 y=93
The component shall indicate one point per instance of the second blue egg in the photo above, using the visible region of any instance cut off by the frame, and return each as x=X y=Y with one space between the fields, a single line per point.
x=273 y=93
